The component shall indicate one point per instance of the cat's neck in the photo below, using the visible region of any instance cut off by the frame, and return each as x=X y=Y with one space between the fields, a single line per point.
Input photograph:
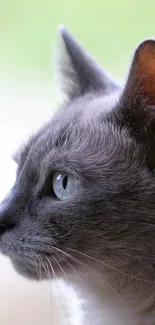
x=107 y=305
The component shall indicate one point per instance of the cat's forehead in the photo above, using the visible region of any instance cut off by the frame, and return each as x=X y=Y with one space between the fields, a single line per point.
x=82 y=113
x=79 y=118
x=94 y=104
x=80 y=137
x=81 y=126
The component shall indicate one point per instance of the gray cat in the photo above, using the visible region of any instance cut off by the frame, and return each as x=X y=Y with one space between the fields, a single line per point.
x=83 y=203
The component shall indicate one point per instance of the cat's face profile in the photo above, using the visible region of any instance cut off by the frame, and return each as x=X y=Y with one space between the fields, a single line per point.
x=86 y=181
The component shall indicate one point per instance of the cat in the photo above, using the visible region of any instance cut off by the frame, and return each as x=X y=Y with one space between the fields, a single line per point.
x=83 y=204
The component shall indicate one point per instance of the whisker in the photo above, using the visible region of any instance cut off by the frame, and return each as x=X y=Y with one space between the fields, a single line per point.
x=72 y=267
x=98 y=276
x=110 y=267
x=41 y=287
x=103 y=263
x=68 y=280
x=49 y=277
x=61 y=268
x=89 y=268
x=65 y=132
x=58 y=289
x=68 y=233
x=84 y=265
x=40 y=278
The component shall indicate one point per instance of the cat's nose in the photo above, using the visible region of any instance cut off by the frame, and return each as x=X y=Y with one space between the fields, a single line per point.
x=6 y=222
x=6 y=216
x=3 y=228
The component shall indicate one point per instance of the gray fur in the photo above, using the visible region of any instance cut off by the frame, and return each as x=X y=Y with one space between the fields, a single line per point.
x=101 y=137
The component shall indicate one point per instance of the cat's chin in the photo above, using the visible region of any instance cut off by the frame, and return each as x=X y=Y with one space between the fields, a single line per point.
x=26 y=270
x=37 y=266
x=32 y=270
x=37 y=271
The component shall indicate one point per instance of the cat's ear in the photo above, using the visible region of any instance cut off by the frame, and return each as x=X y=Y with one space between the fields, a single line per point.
x=138 y=99
x=141 y=79
x=78 y=73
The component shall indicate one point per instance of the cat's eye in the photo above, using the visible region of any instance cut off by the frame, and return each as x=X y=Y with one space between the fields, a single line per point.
x=63 y=185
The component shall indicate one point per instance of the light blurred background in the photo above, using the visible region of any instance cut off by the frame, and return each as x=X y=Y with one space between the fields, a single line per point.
x=28 y=29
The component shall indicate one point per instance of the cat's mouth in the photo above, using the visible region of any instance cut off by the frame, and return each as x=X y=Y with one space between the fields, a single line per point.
x=38 y=265
x=37 y=270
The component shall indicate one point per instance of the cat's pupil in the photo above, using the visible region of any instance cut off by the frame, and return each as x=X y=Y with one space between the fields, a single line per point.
x=65 y=180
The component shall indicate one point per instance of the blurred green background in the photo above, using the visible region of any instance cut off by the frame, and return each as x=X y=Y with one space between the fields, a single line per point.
x=109 y=29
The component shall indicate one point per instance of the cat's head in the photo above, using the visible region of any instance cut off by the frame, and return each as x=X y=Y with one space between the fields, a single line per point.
x=86 y=181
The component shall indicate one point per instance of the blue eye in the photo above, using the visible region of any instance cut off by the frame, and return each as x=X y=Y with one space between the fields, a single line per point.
x=64 y=185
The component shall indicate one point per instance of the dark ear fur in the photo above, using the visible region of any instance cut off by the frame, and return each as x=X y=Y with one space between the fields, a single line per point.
x=138 y=99
x=141 y=80
x=77 y=71
x=137 y=109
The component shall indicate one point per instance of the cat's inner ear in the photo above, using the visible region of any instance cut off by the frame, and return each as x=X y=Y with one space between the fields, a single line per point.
x=140 y=85
x=78 y=73
x=137 y=103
